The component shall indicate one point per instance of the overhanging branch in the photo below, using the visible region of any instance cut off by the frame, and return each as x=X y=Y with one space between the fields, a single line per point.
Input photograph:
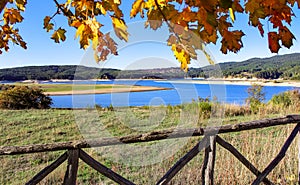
x=66 y=13
x=2 y=5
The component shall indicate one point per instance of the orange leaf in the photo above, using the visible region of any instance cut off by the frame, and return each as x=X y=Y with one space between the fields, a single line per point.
x=261 y=29
x=273 y=42
x=286 y=37
x=232 y=41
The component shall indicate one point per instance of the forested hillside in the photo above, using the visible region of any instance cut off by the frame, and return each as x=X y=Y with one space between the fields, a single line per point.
x=54 y=72
x=281 y=66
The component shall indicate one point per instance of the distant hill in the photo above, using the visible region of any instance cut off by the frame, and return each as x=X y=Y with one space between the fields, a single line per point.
x=280 y=66
x=82 y=73
x=53 y=72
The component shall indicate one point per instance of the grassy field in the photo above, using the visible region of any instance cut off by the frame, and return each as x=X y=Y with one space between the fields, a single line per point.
x=22 y=127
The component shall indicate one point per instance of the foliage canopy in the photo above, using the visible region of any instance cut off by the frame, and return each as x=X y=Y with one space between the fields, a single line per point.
x=23 y=97
x=208 y=20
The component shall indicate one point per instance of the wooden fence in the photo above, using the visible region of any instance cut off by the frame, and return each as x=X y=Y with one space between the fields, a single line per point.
x=208 y=143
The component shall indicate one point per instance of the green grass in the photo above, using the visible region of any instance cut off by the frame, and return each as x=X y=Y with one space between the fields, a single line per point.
x=22 y=127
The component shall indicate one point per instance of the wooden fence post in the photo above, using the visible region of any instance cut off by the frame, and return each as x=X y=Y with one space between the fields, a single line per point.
x=72 y=168
x=299 y=156
x=209 y=162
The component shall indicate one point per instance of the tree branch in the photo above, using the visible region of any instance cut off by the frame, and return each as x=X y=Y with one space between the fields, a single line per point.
x=166 y=20
x=66 y=13
x=162 y=13
x=2 y=5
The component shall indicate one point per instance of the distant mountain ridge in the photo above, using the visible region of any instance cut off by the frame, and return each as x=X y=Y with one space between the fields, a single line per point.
x=280 y=66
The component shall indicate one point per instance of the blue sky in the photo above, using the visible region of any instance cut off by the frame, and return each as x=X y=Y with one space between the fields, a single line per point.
x=43 y=51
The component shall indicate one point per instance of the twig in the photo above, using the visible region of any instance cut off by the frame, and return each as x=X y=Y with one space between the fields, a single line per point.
x=66 y=13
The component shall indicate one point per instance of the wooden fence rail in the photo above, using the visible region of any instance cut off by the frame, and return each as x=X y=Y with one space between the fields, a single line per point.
x=152 y=136
x=207 y=143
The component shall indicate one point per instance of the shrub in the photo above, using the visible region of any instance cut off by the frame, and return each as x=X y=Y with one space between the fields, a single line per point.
x=285 y=99
x=205 y=107
x=256 y=96
x=24 y=97
x=281 y=99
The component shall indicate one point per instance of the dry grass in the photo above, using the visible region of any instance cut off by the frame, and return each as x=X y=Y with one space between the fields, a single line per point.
x=44 y=126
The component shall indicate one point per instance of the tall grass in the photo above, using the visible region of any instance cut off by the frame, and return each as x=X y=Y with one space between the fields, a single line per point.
x=48 y=126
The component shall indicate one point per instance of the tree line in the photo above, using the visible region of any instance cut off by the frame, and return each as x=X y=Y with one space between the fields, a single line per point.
x=281 y=66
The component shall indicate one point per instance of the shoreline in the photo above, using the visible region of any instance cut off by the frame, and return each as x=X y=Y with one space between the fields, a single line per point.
x=234 y=81
x=107 y=91
x=278 y=83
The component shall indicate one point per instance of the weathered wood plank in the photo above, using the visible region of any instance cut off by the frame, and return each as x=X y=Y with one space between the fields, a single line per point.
x=241 y=158
x=204 y=166
x=42 y=174
x=299 y=157
x=183 y=161
x=279 y=157
x=210 y=151
x=103 y=169
x=72 y=168
x=152 y=136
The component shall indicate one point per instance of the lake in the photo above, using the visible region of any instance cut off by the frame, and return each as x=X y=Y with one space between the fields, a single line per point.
x=180 y=92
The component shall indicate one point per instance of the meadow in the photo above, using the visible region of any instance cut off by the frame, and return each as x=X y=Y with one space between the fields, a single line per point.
x=23 y=127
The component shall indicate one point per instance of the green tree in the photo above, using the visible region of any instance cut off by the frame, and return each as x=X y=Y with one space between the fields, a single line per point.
x=256 y=96
x=24 y=97
x=207 y=19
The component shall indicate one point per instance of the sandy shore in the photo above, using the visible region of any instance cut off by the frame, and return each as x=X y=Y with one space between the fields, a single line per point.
x=107 y=90
x=241 y=82
x=235 y=81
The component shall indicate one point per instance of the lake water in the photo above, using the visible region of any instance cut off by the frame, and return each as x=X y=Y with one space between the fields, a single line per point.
x=181 y=92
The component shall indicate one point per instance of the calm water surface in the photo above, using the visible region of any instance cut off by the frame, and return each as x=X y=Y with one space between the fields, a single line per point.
x=180 y=92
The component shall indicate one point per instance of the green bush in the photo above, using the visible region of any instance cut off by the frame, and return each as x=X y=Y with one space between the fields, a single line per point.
x=281 y=99
x=286 y=99
x=256 y=96
x=205 y=107
x=24 y=97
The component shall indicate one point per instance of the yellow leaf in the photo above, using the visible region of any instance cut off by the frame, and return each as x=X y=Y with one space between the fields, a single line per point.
x=21 y=4
x=47 y=25
x=182 y=57
x=59 y=35
x=94 y=25
x=117 y=1
x=68 y=4
x=101 y=8
x=136 y=7
x=95 y=41
x=231 y=13
x=120 y=28
x=76 y=23
x=79 y=30
x=96 y=57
